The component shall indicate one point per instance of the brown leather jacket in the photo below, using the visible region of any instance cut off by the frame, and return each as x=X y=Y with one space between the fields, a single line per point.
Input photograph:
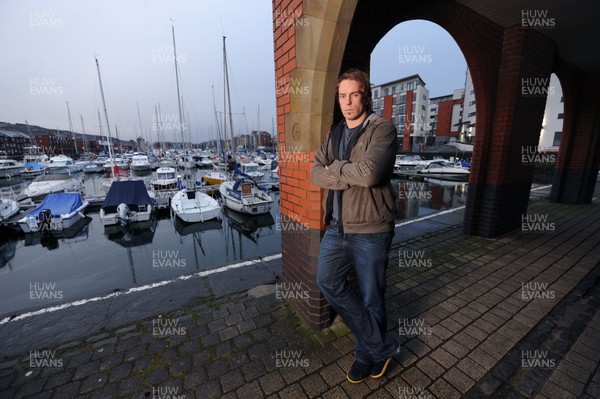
x=368 y=201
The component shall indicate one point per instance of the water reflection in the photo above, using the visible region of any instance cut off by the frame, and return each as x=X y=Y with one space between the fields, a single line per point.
x=429 y=196
x=100 y=259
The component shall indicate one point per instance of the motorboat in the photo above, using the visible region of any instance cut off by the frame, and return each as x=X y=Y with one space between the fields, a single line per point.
x=119 y=162
x=192 y=205
x=32 y=169
x=167 y=163
x=57 y=212
x=62 y=164
x=140 y=163
x=126 y=201
x=8 y=208
x=205 y=161
x=92 y=167
x=262 y=160
x=164 y=186
x=37 y=158
x=52 y=183
x=10 y=168
x=188 y=162
x=246 y=196
x=250 y=169
x=445 y=171
x=153 y=161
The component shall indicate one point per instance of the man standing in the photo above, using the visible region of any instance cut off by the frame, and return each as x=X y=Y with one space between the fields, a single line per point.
x=354 y=166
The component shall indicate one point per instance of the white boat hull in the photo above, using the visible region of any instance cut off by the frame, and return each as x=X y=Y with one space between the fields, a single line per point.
x=198 y=209
x=8 y=208
x=255 y=204
x=108 y=219
x=37 y=189
x=30 y=224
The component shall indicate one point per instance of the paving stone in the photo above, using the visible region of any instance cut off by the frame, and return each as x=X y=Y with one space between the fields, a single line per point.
x=193 y=379
x=459 y=380
x=314 y=385
x=292 y=391
x=93 y=382
x=209 y=390
x=231 y=381
x=217 y=369
x=250 y=391
x=271 y=383
x=67 y=390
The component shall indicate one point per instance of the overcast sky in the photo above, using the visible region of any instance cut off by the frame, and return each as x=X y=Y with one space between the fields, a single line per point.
x=48 y=53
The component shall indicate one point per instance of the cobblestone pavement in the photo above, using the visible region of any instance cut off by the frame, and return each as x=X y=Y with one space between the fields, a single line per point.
x=511 y=317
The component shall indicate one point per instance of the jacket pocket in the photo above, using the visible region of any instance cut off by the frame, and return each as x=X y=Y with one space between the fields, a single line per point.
x=362 y=205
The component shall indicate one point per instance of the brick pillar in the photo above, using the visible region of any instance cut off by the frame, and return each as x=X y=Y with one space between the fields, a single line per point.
x=500 y=182
x=579 y=152
x=309 y=39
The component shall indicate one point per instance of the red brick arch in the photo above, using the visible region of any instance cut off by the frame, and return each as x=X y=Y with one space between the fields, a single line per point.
x=332 y=36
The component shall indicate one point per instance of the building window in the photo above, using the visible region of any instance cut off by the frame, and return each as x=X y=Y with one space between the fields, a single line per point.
x=401 y=118
x=423 y=108
x=386 y=91
x=556 y=141
x=402 y=109
x=376 y=93
x=424 y=97
x=471 y=114
x=393 y=89
x=402 y=99
x=561 y=115
x=471 y=102
x=562 y=99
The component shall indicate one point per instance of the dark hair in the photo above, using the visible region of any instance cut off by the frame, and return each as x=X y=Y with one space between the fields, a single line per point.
x=363 y=81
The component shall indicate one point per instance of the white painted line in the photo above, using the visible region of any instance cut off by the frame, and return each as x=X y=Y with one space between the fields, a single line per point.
x=53 y=309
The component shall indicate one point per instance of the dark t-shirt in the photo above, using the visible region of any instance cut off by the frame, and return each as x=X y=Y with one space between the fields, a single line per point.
x=347 y=136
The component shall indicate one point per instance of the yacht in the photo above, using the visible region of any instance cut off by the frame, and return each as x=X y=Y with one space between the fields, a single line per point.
x=62 y=164
x=140 y=163
x=163 y=186
x=445 y=171
x=246 y=196
x=10 y=168
x=52 y=183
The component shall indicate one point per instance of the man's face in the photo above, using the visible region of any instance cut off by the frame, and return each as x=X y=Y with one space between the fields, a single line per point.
x=351 y=99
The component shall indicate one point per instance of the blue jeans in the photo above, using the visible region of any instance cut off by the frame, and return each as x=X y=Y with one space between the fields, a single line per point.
x=363 y=313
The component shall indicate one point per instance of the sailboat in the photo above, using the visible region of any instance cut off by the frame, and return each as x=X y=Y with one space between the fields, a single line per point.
x=218 y=175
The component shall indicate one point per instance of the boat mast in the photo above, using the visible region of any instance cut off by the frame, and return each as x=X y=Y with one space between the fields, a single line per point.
x=83 y=135
x=71 y=129
x=105 y=112
x=228 y=95
x=140 y=121
x=177 y=80
x=217 y=122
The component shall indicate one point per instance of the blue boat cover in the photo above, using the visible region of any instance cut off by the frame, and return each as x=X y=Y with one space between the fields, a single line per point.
x=130 y=192
x=59 y=204
x=33 y=165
